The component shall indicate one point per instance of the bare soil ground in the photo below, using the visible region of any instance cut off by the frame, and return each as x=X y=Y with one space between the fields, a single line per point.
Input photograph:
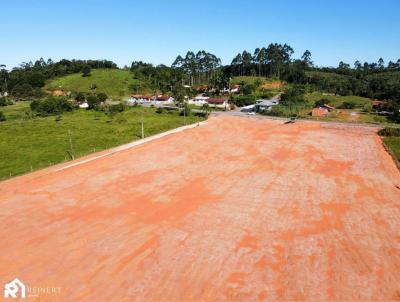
x=273 y=85
x=237 y=209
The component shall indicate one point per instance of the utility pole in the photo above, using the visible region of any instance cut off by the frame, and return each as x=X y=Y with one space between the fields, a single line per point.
x=142 y=126
x=184 y=113
x=70 y=145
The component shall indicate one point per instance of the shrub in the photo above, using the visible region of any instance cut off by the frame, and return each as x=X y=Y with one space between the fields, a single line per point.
x=247 y=89
x=86 y=71
x=201 y=114
x=35 y=105
x=387 y=131
x=2 y=117
x=283 y=110
x=22 y=90
x=80 y=97
x=293 y=95
x=92 y=101
x=347 y=105
x=116 y=108
x=51 y=106
x=266 y=94
x=102 y=97
x=3 y=102
x=159 y=110
x=367 y=107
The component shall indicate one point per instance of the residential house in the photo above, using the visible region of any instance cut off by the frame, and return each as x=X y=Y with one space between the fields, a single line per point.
x=218 y=103
x=232 y=89
x=162 y=99
x=199 y=100
x=138 y=99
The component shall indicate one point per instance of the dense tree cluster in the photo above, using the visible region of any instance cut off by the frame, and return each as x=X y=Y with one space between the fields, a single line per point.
x=266 y=61
x=51 y=106
x=199 y=67
x=161 y=77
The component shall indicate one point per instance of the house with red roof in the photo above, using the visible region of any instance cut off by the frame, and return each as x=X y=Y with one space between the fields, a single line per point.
x=218 y=103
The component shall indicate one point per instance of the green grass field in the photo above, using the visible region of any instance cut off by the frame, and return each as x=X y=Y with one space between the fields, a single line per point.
x=114 y=82
x=335 y=101
x=393 y=143
x=27 y=144
x=16 y=111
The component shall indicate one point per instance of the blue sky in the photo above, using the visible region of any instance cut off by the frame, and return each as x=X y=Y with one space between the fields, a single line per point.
x=156 y=31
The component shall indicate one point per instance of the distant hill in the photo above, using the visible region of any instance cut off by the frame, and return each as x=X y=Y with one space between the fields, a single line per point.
x=115 y=83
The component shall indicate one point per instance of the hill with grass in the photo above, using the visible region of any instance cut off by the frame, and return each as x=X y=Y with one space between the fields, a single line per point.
x=336 y=100
x=115 y=83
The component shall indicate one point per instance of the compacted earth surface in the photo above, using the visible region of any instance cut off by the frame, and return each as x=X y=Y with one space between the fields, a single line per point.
x=235 y=209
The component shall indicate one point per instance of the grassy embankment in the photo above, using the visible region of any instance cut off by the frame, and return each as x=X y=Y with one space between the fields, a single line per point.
x=393 y=143
x=32 y=143
x=391 y=140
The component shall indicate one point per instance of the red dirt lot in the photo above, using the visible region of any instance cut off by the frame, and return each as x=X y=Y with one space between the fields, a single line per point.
x=237 y=209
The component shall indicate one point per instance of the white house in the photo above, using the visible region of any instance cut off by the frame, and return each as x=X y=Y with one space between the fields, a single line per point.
x=162 y=100
x=138 y=99
x=218 y=102
x=199 y=100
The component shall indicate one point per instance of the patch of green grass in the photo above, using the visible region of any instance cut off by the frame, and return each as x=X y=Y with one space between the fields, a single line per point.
x=115 y=83
x=27 y=144
x=335 y=101
x=252 y=79
x=16 y=111
x=374 y=118
x=247 y=79
x=393 y=143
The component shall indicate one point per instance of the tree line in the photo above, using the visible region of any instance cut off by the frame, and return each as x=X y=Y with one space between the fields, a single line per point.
x=374 y=80
x=27 y=79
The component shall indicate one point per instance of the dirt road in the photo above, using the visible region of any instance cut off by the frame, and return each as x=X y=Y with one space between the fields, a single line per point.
x=237 y=209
